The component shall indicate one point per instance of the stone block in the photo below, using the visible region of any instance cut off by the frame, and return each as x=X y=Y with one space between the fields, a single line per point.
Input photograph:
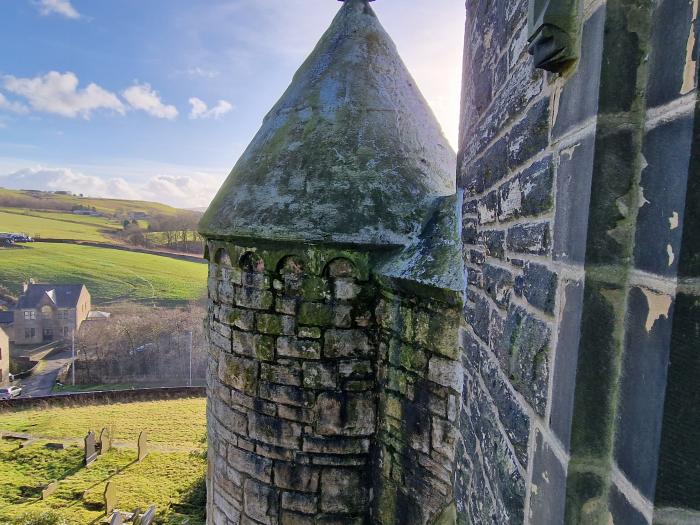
x=667 y=150
x=309 y=332
x=530 y=135
x=274 y=324
x=314 y=288
x=343 y=491
x=286 y=305
x=523 y=350
x=529 y=238
x=320 y=375
x=578 y=100
x=286 y=395
x=303 y=503
x=573 y=198
x=447 y=373
x=498 y=283
x=528 y=194
x=251 y=464
x=285 y=372
x=493 y=242
x=488 y=208
x=346 y=343
x=469 y=230
x=274 y=431
x=260 y=502
x=345 y=414
x=316 y=314
x=538 y=285
x=355 y=369
x=444 y=438
x=342 y=315
x=299 y=478
x=336 y=445
x=240 y=318
x=346 y=289
x=238 y=373
x=564 y=382
x=253 y=298
x=298 y=414
x=548 y=494
x=298 y=348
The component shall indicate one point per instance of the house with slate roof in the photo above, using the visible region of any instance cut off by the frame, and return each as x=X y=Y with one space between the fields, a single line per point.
x=50 y=312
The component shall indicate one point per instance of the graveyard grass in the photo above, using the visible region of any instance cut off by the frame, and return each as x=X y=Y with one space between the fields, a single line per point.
x=110 y=275
x=171 y=476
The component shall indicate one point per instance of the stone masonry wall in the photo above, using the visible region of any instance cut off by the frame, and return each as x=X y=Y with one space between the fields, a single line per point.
x=420 y=381
x=579 y=211
x=333 y=394
x=508 y=171
x=292 y=400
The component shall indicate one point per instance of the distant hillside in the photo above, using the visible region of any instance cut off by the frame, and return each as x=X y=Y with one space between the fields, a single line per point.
x=41 y=200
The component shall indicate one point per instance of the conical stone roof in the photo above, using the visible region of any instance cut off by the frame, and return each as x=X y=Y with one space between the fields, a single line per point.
x=351 y=153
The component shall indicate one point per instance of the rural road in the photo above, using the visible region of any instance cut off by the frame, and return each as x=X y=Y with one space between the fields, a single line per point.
x=41 y=382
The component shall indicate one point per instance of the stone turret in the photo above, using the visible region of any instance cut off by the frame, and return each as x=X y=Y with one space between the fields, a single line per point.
x=336 y=282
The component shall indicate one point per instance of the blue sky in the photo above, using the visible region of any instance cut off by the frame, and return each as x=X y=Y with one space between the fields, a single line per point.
x=156 y=99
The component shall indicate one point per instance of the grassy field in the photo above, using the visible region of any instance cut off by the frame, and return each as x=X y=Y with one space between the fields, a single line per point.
x=55 y=225
x=42 y=200
x=110 y=275
x=172 y=476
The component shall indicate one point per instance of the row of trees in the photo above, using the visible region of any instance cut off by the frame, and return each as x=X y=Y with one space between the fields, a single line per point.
x=139 y=344
x=176 y=232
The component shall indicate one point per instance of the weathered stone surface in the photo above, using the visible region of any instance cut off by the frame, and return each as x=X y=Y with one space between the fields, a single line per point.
x=343 y=491
x=260 y=502
x=329 y=101
x=345 y=414
x=239 y=373
x=274 y=431
x=296 y=477
x=447 y=373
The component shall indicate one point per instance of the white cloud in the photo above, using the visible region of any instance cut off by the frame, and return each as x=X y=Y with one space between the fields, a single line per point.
x=59 y=7
x=200 y=110
x=201 y=72
x=53 y=179
x=15 y=107
x=59 y=94
x=183 y=191
x=145 y=98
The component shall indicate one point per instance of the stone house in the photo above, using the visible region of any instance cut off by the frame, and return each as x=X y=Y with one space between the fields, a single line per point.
x=50 y=312
x=4 y=358
x=398 y=336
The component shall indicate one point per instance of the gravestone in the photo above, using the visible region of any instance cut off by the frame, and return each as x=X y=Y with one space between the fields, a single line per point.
x=116 y=519
x=56 y=446
x=110 y=497
x=143 y=445
x=49 y=489
x=90 y=449
x=105 y=440
x=147 y=517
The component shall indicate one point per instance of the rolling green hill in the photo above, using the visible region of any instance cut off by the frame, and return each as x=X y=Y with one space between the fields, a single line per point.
x=38 y=200
x=109 y=274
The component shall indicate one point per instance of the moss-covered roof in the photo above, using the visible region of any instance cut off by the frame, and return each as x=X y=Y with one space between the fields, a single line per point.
x=351 y=153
